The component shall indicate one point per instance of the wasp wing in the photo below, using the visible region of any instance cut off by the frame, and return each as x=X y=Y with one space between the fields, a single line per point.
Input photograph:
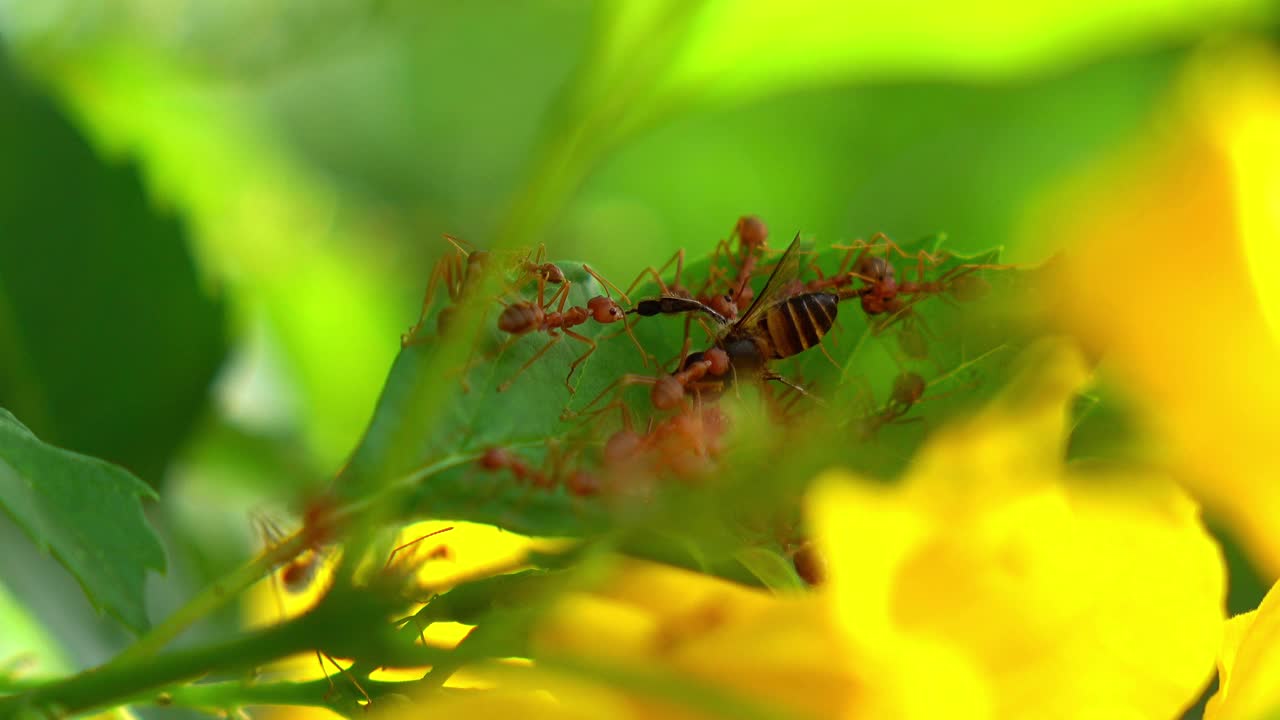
x=776 y=288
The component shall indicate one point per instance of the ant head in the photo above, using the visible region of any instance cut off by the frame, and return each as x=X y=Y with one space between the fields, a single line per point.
x=719 y=361
x=724 y=305
x=604 y=309
x=752 y=231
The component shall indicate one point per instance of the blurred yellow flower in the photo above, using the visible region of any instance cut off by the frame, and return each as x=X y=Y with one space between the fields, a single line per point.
x=1172 y=272
x=464 y=551
x=1249 y=667
x=991 y=582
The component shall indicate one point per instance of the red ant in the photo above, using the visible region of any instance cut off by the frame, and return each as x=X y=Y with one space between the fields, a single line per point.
x=882 y=292
x=908 y=390
x=723 y=304
x=752 y=235
x=683 y=444
x=527 y=316
x=580 y=482
x=318 y=530
x=668 y=391
x=545 y=272
x=459 y=271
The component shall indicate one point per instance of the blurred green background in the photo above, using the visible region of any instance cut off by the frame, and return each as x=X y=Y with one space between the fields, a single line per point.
x=216 y=218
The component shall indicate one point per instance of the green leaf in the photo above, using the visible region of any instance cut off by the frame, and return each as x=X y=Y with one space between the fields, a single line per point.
x=87 y=513
x=108 y=340
x=747 y=48
x=962 y=345
x=772 y=568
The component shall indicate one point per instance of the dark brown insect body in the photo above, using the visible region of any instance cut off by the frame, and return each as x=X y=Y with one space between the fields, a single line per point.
x=786 y=328
x=779 y=323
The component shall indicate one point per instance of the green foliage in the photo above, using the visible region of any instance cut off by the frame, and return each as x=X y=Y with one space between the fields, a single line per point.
x=311 y=163
x=108 y=341
x=87 y=513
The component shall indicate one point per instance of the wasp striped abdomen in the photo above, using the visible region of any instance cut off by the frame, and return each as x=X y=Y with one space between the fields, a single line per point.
x=798 y=323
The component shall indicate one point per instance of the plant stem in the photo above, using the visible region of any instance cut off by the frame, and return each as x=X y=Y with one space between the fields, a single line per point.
x=105 y=686
x=210 y=599
x=326 y=628
x=233 y=694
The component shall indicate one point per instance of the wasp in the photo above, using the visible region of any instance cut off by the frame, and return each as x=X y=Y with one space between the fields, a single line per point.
x=779 y=323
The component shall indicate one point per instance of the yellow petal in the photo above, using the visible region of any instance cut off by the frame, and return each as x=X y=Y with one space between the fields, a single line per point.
x=1172 y=270
x=1249 y=667
x=1082 y=593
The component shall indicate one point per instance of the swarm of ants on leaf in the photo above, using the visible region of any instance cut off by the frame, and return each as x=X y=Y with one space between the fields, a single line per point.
x=755 y=307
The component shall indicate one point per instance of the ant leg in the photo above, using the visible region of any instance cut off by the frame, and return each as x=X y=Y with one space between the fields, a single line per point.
x=461 y=245
x=333 y=689
x=715 y=274
x=656 y=274
x=615 y=386
x=562 y=294
x=793 y=386
x=439 y=270
x=272 y=537
x=604 y=282
x=623 y=409
x=584 y=356
x=685 y=344
x=827 y=355
x=554 y=339
x=411 y=543
x=343 y=671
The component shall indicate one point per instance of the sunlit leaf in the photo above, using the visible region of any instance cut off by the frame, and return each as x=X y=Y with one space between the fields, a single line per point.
x=741 y=49
x=87 y=513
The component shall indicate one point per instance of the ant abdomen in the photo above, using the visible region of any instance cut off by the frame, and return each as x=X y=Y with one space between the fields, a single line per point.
x=519 y=318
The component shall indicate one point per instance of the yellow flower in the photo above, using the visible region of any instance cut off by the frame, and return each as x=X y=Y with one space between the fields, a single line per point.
x=991 y=582
x=1249 y=667
x=463 y=551
x=1172 y=272
x=1076 y=592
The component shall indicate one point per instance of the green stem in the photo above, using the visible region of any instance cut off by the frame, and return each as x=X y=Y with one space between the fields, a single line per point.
x=227 y=587
x=327 y=628
x=105 y=686
x=221 y=696
x=210 y=599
